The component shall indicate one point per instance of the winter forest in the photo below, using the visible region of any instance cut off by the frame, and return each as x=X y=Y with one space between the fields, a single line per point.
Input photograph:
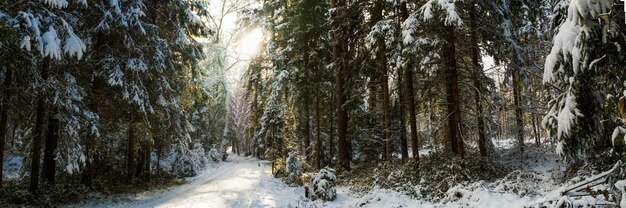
x=312 y=103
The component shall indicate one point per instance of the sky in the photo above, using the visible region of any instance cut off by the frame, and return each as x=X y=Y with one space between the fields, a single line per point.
x=246 y=45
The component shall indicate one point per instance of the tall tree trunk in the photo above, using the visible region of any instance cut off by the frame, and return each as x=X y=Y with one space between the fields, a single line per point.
x=452 y=97
x=536 y=129
x=140 y=164
x=91 y=136
x=148 y=160
x=384 y=81
x=307 y=123
x=331 y=135
x=404 y=146
x=130 y=158
x=410 y=94
x=52 y=141
x=517 y=102
x=4 y=109
x=39 y=131
x=402 y=103
x=343 y=147
x=318 y=138
x=478 y=73
x=159 y=152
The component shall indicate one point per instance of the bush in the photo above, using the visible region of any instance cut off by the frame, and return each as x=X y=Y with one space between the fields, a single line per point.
x=324 y=185
x=189 y=162
x=293 y=169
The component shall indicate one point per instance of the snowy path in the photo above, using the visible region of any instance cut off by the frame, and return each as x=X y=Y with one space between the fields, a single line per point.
x=247 y=182
x=240 y=182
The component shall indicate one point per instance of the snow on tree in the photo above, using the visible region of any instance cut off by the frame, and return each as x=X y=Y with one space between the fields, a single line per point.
x=189 y=162
x=573 y=116
x=324 y=185
x=293 y=168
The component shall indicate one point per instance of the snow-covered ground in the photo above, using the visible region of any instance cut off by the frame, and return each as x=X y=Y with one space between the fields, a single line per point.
x=247 y=182
x=239 y=182
x=11 y=167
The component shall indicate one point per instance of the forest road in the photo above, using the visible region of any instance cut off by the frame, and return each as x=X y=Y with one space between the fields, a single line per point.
x=236 y=185
x=240 y=182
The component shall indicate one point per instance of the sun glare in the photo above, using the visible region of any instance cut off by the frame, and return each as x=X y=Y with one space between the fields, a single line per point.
x=250 y=43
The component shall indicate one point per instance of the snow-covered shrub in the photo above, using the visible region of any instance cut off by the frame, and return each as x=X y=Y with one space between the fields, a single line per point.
x=432 y=178
x=215 y=154
x=324 y=185
x=519 y=183
x=293 y=167
x=189 y=162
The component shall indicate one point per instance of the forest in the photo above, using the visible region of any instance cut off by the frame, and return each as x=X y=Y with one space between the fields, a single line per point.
x=312 y=103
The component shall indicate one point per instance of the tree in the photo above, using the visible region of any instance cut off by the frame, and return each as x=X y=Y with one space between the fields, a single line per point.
x=583 y=50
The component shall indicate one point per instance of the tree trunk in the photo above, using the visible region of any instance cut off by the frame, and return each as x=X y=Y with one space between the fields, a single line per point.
x=452 y=93
x=159 y=150
x=39 y=131
x=141 y=156
x=318 y=138
x=482 y=141
x=384 y=81
x=410 y=94
x=536 y=129
x=148 y=159
x=90 y=144
x=307 y=124
x=331 y=136
x=519 y=123
x=4 y=109
x=404 y=149
x=130 y=158
x=343 y=147
x=52 y=142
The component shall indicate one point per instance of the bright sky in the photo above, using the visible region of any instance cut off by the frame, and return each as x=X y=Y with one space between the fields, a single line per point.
x=246 y=45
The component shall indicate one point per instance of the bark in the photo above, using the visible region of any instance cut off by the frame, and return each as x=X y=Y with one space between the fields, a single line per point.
x=139 y=168
x=482 y=141
x=52 y=142
x=343 y=145
x=307 y=124
x=130 y=157
x=384 y=81
x=39 y=132
x=148 y=159
x=452 y=93
x=536 y=129
x=159 y=152
x=331 y=133
x=404 y=149
x=4 y=109
x=90 y=144
x=519 y=123
x=318 y=138
x=410 y=95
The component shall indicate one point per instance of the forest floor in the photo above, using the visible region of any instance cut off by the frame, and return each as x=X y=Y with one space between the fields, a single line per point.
x=247 y=182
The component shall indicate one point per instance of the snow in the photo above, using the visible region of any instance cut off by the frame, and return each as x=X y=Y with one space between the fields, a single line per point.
x=60 y=4
x=247 y=182
x=74 y=46
x=240 y=182
x=51 y=44
x=568 y=40
x=11 y=167
x=621 y=184
x=566 y=43
x=25 y=43
x=567 y=116
x=448 y=6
